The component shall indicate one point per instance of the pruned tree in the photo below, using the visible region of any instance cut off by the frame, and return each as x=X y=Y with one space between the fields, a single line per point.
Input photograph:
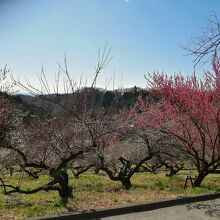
x=173 y=162
x=168 y=158
x=122 y=160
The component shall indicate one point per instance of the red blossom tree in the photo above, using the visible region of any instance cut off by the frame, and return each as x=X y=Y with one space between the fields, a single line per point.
x=188 y=109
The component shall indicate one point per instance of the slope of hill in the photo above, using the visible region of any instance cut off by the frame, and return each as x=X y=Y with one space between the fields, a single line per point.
x=107 y=99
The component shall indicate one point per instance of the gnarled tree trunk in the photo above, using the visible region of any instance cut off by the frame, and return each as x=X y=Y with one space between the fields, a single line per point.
x=65 y=191
x=201 y=176
x=126 y=182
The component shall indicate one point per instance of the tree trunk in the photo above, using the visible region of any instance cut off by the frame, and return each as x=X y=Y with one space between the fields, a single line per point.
x=201 y=176
x=65 y=191
x=96 y=171
x=126 y=182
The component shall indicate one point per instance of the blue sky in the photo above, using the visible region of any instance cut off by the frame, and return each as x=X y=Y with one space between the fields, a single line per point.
x=146 y=35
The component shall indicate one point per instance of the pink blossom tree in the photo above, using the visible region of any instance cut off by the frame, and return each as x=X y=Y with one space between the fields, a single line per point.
x=187 y=109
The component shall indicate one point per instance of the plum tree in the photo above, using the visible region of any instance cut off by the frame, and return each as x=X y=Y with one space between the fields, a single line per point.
x=188 y=110
x=48 y=146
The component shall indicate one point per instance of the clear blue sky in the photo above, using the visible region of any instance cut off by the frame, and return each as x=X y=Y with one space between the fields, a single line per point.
x=146 y=35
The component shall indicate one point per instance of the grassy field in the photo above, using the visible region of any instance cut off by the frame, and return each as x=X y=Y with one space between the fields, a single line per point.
x=97 y=191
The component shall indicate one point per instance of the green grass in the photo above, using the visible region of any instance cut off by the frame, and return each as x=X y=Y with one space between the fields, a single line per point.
x=97 y=191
